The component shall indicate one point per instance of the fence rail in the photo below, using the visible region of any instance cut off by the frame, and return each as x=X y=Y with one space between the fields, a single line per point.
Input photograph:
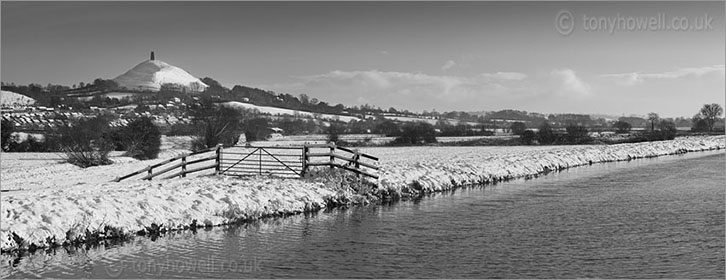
x=265 y=160
x=183 y=164
x=352 y=160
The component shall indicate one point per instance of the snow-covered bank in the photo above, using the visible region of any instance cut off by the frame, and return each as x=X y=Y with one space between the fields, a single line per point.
x=97 y=208
x=410 y=173
x=47 y=217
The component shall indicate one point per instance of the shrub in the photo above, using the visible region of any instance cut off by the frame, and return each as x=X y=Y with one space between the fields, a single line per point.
x=545 y=134
x=577 y=134
x=527 y=137
x=389 y=128
x=182 y=129
x=141 y=139
x=333 y=132
x=215 y=125
x=29 y=144
x=6 y=130
x=699 y=125
x=417 y=133
x=256 y=129
x=622 y=127
x=115 y=135
x=518 y=128
x=86 y=143
x=668 y=130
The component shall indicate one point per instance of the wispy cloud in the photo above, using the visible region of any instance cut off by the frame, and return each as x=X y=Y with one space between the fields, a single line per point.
x=569 y=84
x=416 y=91
x=420 y=91
x=634 y=78
x=375 y=80
x=513 y=76
x=448 y=65
x=391 y=80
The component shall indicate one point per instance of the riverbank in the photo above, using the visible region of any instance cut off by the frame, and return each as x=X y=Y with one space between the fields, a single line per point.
x=79 y=214
x=87 y=212
x=444 y=168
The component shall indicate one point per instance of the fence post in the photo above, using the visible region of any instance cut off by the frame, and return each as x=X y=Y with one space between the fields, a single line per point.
x=332 y=151
x=218 y=168
x=184 y=167
x=260 y=161
x=304 y=161
x=149 y=172
x=356 y=158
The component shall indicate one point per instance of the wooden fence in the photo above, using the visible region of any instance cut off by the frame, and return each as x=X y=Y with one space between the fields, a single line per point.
x=187 y=163
x=286 y=162
x=340 y=157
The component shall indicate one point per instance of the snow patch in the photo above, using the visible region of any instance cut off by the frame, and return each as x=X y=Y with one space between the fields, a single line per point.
x=151 y=74
x=280 y=111
x=12 y=99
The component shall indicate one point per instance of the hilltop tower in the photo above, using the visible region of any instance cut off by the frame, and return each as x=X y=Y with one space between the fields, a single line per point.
x=152 y=55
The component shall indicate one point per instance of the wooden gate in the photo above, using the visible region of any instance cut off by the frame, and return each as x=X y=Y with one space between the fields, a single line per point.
x=286 y=162
x=269 y=161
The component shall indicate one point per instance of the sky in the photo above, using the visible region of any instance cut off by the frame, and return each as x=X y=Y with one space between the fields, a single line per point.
x=463 y=56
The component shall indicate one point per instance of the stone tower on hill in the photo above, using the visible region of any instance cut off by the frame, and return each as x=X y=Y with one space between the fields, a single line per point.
x=152 y=55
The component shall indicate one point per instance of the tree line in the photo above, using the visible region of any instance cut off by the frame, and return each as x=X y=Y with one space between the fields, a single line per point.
x=658 y=129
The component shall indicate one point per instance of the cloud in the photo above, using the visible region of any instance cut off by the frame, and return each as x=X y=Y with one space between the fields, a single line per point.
x=568 y=83
x=633 y=78
x=512 y=76
x=408 y=82
x=420 y=91
x=373 y=80
x=384 y=52
x=414 y=91
x=448 y=65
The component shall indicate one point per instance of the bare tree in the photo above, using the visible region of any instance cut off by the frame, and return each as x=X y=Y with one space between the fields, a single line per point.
x=653 y=118
x=304 y=99
x=216 y=124
x=195 y=87
x=711 y=112
x=86 y=142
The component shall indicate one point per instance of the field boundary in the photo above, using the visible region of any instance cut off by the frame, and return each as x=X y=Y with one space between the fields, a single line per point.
x=274 y=161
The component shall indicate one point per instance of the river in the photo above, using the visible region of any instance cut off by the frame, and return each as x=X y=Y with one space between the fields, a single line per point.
x=648 y=218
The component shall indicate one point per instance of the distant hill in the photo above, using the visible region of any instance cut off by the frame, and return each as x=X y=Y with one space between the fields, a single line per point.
x=152 y=74
x=10 y=99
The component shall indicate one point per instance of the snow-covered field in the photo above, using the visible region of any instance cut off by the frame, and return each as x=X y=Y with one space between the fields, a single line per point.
x=375 y=139
x=49 y=201
x=298 y=140
x=31 y=171
x=281 y=111
x=9 y=98
x=453 y=139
